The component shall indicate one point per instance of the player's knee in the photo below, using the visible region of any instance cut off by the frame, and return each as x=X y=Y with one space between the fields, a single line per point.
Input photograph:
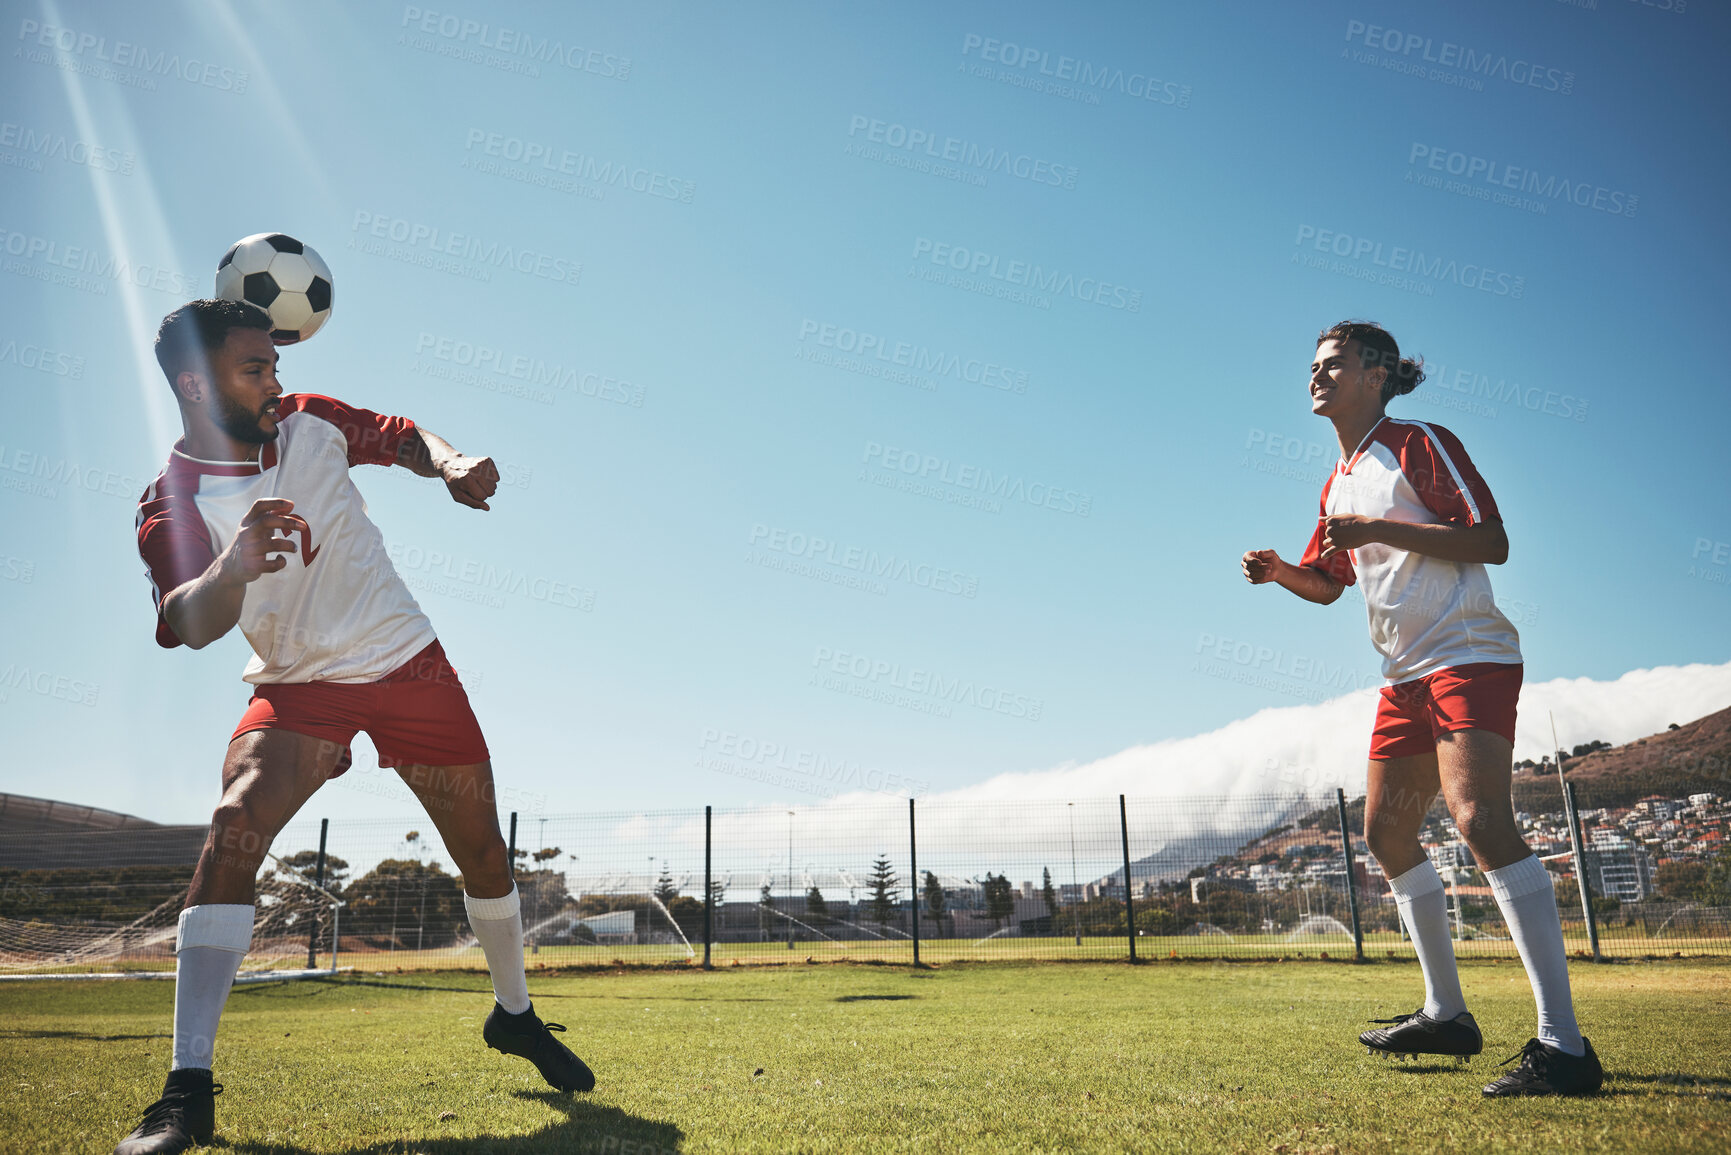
x=1472 y=819
x=485 y=857
x=1385 y=841
x=1485 y=827
x=239 y=832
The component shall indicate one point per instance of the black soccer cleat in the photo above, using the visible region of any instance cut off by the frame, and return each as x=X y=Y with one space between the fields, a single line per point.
x=185 y=1115
x=526 y=1035
x=1544 y=1070
x=1419 y=1034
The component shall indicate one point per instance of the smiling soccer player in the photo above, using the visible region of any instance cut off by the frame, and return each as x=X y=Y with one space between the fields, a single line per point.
x=1407 y=516
x=256 y=523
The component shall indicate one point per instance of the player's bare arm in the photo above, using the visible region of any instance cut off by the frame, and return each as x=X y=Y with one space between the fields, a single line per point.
x=1265 y=565
x=206 y=608
x=471 y=480
x=1485 y=543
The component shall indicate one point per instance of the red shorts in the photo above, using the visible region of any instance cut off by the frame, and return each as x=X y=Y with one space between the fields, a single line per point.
x=416 y=715
x=1476 y=696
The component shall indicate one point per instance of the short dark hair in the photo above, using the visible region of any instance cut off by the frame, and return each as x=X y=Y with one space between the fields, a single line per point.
x=188 y=336
x=1377 y=349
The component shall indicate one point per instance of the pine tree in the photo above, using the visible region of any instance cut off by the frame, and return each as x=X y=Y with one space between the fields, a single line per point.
x=1049 y=892
x=934 y=899
x=665 y=890
x=1000 y=904
x=817 y=911
x=885 y=896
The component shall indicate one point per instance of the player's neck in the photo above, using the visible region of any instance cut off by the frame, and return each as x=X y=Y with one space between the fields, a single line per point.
x=206 y=442
x=1353 y=428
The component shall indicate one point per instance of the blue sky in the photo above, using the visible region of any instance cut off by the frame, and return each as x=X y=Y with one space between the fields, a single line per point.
x=690 y=410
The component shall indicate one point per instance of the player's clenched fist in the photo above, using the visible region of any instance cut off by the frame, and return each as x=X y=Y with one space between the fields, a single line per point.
x=256 y=548
x=1259 y=565
x=471 y=480
x=1346 y=531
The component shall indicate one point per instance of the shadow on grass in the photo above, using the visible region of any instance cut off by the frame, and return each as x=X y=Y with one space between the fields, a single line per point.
x=1692 y=1086
x=873 y=998
x=304 y=988
x=77 y=1035
x=588 y=1128
x=320 y=986
x=1425 y=1067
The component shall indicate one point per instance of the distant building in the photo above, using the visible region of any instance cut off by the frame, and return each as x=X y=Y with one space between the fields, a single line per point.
x=1201 y=888
x=1268 y=877
x=1449 y=857
x=1658 y=807
x=1619 y=868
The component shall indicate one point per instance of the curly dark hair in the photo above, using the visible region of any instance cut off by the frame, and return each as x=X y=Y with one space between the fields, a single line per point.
x=1377 y=349
x=188 y=336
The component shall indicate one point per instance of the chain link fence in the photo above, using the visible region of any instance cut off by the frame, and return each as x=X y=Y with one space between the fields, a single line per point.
x=1247 y=877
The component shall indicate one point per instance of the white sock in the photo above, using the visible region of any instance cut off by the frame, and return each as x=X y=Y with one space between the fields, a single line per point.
x=498 y=927
x=1419 y=895
x=211 y=941
x=1529 y=906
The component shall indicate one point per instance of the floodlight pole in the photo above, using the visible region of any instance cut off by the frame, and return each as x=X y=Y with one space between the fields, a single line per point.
x=1075 y=878
x=708 y=891
x=318 y=881
x=790 y=880
x=1129 y=903
x=1576 y=837
x=914 y=882
x=1572 y=815
x=1351 y=885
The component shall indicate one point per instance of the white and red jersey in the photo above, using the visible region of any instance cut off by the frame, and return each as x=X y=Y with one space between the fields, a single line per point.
x=1425 y=613
x=337 y=612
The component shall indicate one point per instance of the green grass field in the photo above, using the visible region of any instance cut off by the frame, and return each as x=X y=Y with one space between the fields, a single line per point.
x=1255 y=1057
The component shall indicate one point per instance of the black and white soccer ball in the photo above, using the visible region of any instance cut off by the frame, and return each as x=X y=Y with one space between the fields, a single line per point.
x=282 y=276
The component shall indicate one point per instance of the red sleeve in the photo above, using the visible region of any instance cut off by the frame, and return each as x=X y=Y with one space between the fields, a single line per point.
x=373 y=438
x=1436 y=465
x=1339 y=567
x=175 y=545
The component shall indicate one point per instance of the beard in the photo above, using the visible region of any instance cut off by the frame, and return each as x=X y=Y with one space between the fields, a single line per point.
x=239 y=422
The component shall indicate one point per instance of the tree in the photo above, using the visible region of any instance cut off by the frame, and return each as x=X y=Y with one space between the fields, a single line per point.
x=542 y=892
x=665 y=889
x=815 y=908
x=934 y=899
x=1680 y=881
x=763 y=909
x=687 y=912
x=1049 y=892
x=717 y=892
x=885 y=895
x=305 y=862
x=1000 y=901
x=387 y=901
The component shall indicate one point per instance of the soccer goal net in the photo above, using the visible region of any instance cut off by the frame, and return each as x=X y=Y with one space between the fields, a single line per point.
x=123 y=920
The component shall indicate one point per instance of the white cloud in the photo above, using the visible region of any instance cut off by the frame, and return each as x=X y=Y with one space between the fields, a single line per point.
x=1190 y=799
x=1314 y=748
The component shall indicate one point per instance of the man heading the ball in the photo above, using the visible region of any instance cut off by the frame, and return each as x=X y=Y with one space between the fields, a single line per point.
x=256 y=523
x=1407 y=517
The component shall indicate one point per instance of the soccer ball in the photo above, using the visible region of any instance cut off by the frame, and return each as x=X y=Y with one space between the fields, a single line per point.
x=282 y=276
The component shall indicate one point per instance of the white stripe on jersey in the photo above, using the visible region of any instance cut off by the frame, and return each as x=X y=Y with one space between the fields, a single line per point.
x=1430 y=435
